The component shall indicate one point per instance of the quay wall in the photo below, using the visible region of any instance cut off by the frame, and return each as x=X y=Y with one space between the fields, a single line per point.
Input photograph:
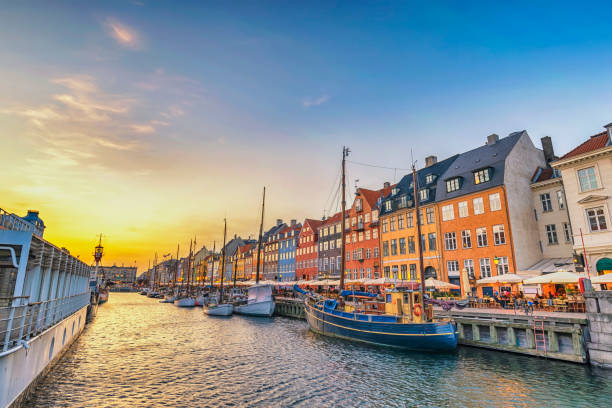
x=289 y=307
x=565 y=337
x=22 y=368
x=599 y=313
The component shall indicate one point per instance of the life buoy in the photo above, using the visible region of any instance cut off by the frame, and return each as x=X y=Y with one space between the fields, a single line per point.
x=418 y=310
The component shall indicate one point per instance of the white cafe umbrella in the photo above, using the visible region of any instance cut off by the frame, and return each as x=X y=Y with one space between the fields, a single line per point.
x=561 y=277
x=438 y=284
x=506 y=278
x=607 y=278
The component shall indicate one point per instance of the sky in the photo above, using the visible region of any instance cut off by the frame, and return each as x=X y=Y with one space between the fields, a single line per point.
x=152 y=121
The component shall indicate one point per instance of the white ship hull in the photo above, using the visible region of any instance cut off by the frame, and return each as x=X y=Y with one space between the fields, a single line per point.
x=200 y=300
x=186 y=302
x=265 y=308
x=224 y=309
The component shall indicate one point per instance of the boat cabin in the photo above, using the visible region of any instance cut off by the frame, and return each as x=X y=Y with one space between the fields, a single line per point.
x=407 y=304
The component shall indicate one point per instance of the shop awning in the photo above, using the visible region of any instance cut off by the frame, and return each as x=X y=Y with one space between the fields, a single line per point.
x=506 y=278
x=549 y=265
x=604 y=264
x=557 y=277
x=607 y=278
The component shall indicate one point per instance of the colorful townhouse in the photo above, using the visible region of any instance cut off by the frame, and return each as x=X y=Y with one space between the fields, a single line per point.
x=330 y=247
x=270 y=250
x=363 y=258
x=307 y=251
x=587 y=177
x=398 y=229
x=286 y=252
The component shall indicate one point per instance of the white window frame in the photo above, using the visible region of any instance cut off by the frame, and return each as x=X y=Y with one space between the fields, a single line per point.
x=448 y=212
x=478 y=204
x=590 y=186
x=463 y=209
x=494 y=202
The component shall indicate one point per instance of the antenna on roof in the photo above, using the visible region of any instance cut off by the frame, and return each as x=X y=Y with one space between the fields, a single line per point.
x=356 y=181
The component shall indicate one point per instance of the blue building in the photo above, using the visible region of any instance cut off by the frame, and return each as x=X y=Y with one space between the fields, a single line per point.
x=288 y=241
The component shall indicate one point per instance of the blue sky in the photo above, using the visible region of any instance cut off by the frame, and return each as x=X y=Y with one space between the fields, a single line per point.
x=161 y=98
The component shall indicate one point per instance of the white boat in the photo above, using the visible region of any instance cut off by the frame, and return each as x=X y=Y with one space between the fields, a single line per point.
x=186 y=302
x=223 y=309
x=200 y=300
x=259 y=302
x=168 y=299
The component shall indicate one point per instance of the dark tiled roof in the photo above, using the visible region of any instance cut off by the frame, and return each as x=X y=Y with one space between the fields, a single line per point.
x=491 y=156
x=405 y=187
x=314 y=224
x=543 y=174
x=595 y=142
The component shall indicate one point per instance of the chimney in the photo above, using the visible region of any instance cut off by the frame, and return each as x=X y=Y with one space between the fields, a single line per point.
x=279 y=222
x=609 y=129
x=386 y=184
x=293 y=222
x=547 y=147
x=430 y=160
x=492 y=139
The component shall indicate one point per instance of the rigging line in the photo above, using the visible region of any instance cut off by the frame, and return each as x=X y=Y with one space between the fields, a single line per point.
x=375 y=165
x=329 y=203
x=334 y=201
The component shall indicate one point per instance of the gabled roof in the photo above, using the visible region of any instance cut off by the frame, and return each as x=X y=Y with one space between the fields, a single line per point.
x=491 y=156
x=372 y=196
x=595 y=142
x=313 y=224
x=543 y=174
x=337 y=217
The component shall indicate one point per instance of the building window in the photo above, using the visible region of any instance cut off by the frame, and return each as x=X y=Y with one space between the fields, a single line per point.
x=375 y=252
x=402 y=246
x=452 y=267
x=452 y=185
x=485 y=268
x=367 y=235
x=482 y=176
x=551 y=233
x=385 y=225
x=393 y=247
x=369 y=271
x=409 y=220
x=388 y=205
x=375 y=233
x=567 y=232
x=374 y=215
x=387 y=271
x=400 y=221
x=386 y=248
x=358 y=204
x=502 y=265
x=366 y=218
x=392 y=224
x=481 y=237
x=448 y=212
x=468 y=264
x=423 y=194
x=432 y=241
x=368 y=253
x=413 y=274
x=450 y=241
x=466 y=239
x=402 y=203
x=404 y=272
x=546 y=203
x=478 y=206
x=360 y=237
x=587 y=179
x=429 y=178
x=560 y=199
x=463 y=209
x=597 y=219
x=411 y=248
x=430 y=215
x=421 y=217
x=494 y=202
x=499 y=235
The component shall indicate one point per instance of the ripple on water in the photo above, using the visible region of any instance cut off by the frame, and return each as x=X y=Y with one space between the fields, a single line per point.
x=140 y=353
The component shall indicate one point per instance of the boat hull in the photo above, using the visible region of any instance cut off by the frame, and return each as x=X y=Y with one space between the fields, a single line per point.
x=200 y=300
x=225 y=309
x=434 y=336
x=264 y=309
x=186 y=302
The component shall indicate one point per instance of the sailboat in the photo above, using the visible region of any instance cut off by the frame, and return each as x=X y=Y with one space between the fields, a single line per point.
x=259 y=300
x=406 y=323
x=216 y=306
x=171 y=297
x=188 y=300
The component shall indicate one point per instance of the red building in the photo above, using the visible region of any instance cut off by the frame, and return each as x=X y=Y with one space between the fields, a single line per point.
x=363 y=258
x=307 y=254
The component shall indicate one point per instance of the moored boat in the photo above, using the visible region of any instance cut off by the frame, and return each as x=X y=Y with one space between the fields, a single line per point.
x=258 y=303
x=186 y=302
x=222 y=309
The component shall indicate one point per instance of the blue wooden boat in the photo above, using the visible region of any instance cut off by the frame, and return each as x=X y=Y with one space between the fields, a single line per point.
x=324 y=317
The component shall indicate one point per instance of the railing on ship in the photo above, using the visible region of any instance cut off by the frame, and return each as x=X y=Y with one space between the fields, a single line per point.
x=15 y=223
x=22 y=320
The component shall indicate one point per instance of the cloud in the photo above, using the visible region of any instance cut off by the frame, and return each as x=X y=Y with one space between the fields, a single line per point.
x=77 y=83
x=117 y=146
x=143 y=128
x=123 y=34
x=309 y=102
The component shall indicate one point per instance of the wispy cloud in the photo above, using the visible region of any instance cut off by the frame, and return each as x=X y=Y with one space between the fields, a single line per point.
x=310 y=102
x=142 y=128
x=124 y=35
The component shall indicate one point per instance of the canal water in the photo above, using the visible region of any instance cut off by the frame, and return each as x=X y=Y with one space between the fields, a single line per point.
x=140 y=353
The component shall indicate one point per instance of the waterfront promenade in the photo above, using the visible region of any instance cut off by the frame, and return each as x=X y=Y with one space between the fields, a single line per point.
x=141 y=353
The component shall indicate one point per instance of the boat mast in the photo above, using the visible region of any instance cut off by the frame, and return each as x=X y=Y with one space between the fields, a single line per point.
x=236 y=267
x=189 y=268
x=345 y=153
x=419 y=239
x=154 y=271
x=176 y=266
x=223 y=257
x=263 y=203
x=212 y=270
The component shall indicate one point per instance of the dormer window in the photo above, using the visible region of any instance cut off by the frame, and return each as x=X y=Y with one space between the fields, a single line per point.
x=423 y=194
x=482 y=176
x=388 y=205
x=429 y=178
x=358 y=204
x=394 y=191
x=452 y=185
x=402 y=202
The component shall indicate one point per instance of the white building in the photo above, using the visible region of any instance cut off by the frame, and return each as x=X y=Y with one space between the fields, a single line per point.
x=587 y=178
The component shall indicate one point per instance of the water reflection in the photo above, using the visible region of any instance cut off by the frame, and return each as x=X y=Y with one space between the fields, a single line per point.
x=140 y=353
